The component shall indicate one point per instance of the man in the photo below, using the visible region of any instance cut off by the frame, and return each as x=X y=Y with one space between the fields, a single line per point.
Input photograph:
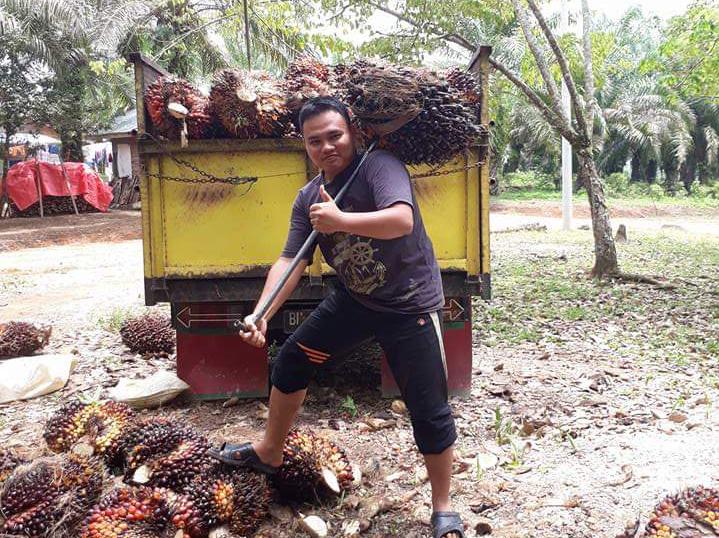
x=390 y=287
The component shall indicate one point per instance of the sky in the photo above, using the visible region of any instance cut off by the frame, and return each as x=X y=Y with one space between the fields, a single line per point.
x=613 y=9
x=616 y=8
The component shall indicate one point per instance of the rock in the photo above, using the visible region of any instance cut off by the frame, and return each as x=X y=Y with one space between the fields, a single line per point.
x=677 y=417
x=621 y=236
x=483 y=527
x=673 y=227
x=399 y=407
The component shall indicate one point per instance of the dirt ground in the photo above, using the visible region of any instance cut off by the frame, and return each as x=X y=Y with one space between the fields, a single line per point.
x=601 y=439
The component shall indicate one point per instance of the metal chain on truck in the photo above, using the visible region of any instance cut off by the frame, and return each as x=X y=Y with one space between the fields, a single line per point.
x=206 y=177
x=242 y=180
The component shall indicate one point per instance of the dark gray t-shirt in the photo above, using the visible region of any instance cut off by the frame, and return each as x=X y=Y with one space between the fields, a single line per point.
x=396 y=275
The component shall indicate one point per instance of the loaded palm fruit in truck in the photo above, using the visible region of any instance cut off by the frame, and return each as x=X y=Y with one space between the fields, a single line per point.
x=216 y=213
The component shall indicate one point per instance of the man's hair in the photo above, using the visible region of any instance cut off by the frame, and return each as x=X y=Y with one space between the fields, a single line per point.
x=318 y=105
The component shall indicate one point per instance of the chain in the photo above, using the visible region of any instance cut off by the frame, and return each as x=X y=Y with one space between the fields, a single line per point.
x=205 y=176
x=440 y=172
x=241 y=180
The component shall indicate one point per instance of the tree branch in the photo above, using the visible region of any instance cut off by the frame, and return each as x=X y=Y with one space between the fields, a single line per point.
x=558 y=122
x=588 y=69
x=453 y=38
x=538 y=54
x=564 y=66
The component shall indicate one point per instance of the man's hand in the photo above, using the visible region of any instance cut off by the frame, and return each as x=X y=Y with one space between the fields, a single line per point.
x=255 y=334
x=325 y=216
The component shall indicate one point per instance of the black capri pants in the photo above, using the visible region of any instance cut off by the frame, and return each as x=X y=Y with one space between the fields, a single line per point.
x=412 y=344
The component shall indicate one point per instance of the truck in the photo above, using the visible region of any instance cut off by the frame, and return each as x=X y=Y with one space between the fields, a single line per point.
x=215 y=216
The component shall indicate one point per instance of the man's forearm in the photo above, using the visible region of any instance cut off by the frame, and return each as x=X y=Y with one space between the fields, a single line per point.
x=273 y=277
x=389 y=223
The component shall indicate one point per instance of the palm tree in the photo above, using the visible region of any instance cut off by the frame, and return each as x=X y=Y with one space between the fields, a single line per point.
x=648 y=128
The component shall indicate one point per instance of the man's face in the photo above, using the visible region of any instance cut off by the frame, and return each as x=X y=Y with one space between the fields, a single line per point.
x=329 y=142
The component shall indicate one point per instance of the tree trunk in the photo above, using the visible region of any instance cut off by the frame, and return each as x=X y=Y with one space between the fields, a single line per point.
x=605 y=252
x=670 y=182
x=651 y=171
x=71 y=146
x=688 y=173
x=636 y=175
x=5 y=167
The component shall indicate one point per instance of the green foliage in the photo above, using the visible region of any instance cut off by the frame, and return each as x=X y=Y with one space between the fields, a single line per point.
x=688 y=58
x=349 y=406
x=112 y=321
x=528 y=180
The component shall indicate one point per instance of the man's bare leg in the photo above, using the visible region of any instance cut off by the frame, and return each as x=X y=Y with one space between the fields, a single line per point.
x=283 y=410
x=439 y=470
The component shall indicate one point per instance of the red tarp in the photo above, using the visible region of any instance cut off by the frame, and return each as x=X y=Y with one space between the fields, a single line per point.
x=22 y=183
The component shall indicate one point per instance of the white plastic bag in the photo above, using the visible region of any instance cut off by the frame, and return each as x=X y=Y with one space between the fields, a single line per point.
x=30 y=377
x=149 y=392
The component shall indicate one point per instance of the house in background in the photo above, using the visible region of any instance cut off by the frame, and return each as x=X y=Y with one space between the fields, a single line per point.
x=125 y=163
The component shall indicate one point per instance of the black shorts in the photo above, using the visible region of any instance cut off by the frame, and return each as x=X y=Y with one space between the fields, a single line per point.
x=412 y=344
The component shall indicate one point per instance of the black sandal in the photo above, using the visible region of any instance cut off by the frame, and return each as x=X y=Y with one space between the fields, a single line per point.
x=241 y=456
x=445 y=522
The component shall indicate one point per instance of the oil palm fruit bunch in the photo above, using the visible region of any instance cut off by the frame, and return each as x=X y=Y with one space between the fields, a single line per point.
x=99 y=424
x=50 y=496
x=106 y=425
x=148 y=334
x=9 y=461
x=313 y=467
x=435 y=121
x=130 y=513
x=249 y=104
x=166 y=90
x=306 y=77
x=237 y=498
x=67 y=425
x=467 y=85
x=693 y=510
x=18 y=339
x=164 y=454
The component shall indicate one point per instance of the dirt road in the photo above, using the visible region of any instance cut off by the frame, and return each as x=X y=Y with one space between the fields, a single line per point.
x=601 y=439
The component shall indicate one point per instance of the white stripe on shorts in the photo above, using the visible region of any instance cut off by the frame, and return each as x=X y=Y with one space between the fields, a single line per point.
x=438 y=330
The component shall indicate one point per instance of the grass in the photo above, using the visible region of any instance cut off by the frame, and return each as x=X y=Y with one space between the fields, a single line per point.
x=521 y=195
x=113 y=320
x=542 y=298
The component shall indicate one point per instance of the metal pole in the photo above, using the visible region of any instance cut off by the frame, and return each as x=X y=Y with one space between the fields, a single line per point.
x=566 y=146
x=247 y=37
x=309 y=242
x=67 y=184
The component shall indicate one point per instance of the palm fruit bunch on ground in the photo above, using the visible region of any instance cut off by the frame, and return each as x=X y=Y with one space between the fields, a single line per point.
x=306 y=77
x=50 y=496
x=312 y=468
x=9 y=461
x=166 y=90
x=237 y=498
x=692 y=513
x=106 y=425
x=148 y=334
x=98 y=424
x=443 y=123
x=54 y=205
x=18 y=339
x=249 y=104
x=130 y=513
x=164 y=454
